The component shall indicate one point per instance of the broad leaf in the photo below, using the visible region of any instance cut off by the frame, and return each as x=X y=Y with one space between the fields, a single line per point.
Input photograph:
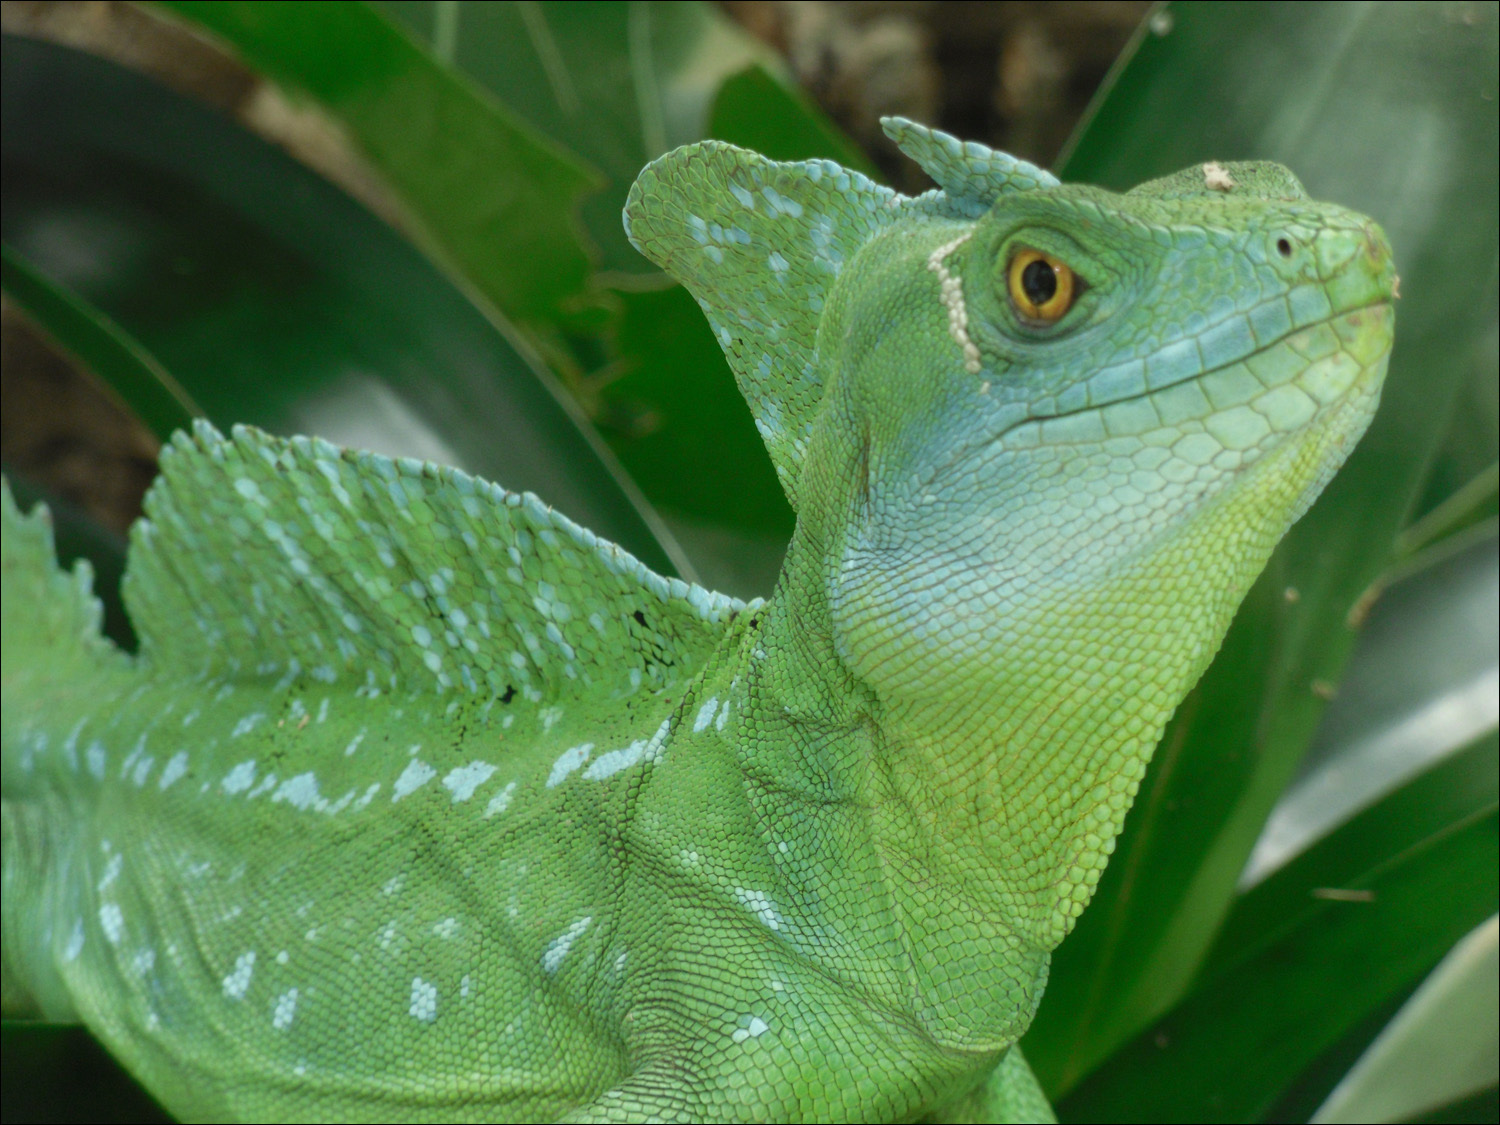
x=273 y=298
x=1413 y=1066
x=495 y=197
x=616 y=83
x=1356 y=920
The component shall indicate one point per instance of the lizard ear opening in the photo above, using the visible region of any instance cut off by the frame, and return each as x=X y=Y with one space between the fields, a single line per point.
x=966 y=170
x=759 y=244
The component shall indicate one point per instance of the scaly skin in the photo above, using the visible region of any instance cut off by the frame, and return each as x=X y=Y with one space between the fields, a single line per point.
x=420 y=802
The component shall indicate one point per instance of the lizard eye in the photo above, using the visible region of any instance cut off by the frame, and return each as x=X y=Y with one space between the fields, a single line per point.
x=1041 y=287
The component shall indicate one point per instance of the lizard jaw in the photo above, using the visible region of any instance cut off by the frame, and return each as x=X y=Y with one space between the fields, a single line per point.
x=1243 y=406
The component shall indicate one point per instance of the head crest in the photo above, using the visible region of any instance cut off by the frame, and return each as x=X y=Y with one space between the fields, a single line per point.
x=760 y=244
x=965 y=169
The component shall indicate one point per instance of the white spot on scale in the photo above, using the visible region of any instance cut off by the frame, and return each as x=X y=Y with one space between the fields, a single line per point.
x=94 y=756
x=743 y=195
x=464 y=986
x=176 y=766
x=417 y=774
x=284 y=1010
x=423 y=1000
x=446 y=928
x=950 y=290
x=643 y=749
x=262 y=787
x=753 y=1028
x=240 y=778
x=500 y=801
x=557 y=948
x=463 y=780
x=393 y=884
x=612 y=762
x=238 y=980
x=247 y=724
x=705 y=715
x=283 y=957
x=70 y=744
x=759 y=903
x=354 y=744
x=75 y=941
x=111 y=871
x=570 y=760
x=301 y=792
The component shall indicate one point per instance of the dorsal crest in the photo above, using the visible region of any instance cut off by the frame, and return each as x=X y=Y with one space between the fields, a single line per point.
x=269 y=557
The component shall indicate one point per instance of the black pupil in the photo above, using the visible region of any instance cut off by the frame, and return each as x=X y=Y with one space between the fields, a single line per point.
x=1039 y=282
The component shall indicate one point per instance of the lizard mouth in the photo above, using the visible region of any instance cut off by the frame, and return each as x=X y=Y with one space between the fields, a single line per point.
x=1267 y=393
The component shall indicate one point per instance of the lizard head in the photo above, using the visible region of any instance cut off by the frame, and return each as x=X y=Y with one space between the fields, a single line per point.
x=1081 y=422
x=1041 y=439
x=1085 y=403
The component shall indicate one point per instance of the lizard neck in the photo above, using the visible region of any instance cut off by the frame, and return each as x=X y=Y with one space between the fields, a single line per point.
x=991 y=747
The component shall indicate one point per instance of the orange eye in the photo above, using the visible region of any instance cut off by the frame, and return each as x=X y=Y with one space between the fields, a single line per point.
x=1041 y=287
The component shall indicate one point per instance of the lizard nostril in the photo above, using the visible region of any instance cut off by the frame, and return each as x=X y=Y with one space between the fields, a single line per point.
x=1284 y=247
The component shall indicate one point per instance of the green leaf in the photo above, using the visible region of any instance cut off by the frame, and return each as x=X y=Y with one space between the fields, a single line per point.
x=1413 y=1066
x=1421 y=684
x=496 y=198
x=616 y=83
x=1333 y=91
x=756 y=111
x=273 y=298
x=100 y=345
x=695 y=450
x=619 y=84
x=1361 y=916
x=1481 y=1107
x=1476 y=501
x=1456 y=790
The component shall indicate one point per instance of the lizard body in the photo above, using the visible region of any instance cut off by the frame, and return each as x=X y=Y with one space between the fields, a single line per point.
x=420 y=801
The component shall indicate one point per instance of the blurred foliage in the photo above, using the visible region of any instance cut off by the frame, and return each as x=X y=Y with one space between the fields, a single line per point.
x=494 y=316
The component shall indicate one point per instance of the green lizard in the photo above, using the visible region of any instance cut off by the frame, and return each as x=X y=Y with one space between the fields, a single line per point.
x=420 y=801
